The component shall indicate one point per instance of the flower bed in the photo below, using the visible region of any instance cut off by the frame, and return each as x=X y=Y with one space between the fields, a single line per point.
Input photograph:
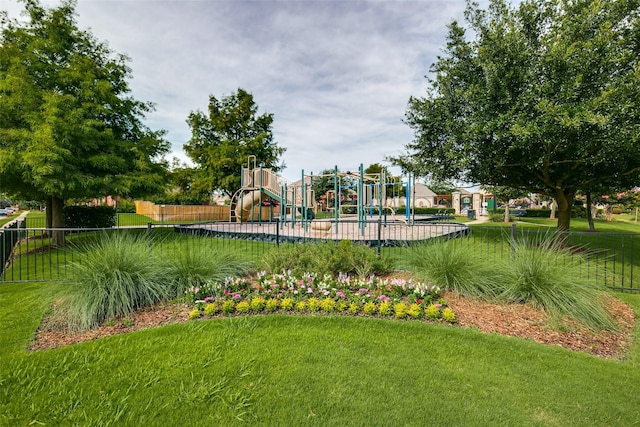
x=287 y=293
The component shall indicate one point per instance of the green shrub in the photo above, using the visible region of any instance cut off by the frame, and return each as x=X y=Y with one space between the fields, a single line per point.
x=118 y=275
x=89 y=216
x=448 y=315
x=497 y=217
x=287 y=304
x=369 y=308
x=272 y=304
x=258 y=304
x=414 y=311
x=228 y=307
x=242 y=307
x=384 y=308
x=328 y=305
x=454 y=265
x=126 y=206
x=195 y=266
x=400 y=309
x=327 y=258
x=432 y=312
x=210 y=309
x=546 y=274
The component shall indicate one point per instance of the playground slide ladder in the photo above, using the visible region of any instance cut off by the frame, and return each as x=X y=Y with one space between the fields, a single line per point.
x=273 y=185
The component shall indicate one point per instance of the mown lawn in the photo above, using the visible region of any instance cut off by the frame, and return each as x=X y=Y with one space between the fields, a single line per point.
x=287 y=369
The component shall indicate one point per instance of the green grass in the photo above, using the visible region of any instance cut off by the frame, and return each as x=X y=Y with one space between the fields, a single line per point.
x=320 y=370
x=274 y=370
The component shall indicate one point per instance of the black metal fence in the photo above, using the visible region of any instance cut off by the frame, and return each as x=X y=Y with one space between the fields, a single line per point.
x=10 y=234
x=608 y=259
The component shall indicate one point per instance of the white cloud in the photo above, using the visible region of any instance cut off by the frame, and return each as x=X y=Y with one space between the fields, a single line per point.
x=337 y=75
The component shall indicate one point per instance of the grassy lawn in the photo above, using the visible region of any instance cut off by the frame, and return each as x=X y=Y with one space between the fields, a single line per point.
x=292 y=369
x=322 y=370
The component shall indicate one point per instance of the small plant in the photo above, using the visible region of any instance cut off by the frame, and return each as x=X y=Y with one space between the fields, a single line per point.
x=328 y=305
x=210 y=309
x=228 y=306
x=448 y=315
x=257 y=304
x=301 y=306
x=342 y=306
x=384 y=308
x=286 y=304
x=242 y=307
x=400 y=309
x=414 y=311
x=272 y=305
x=194 y=314
x=313 y=304
x=353 y=308
x=369 y=308
x=432 y=312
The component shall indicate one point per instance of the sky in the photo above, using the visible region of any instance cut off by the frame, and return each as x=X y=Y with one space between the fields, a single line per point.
x=336 y=75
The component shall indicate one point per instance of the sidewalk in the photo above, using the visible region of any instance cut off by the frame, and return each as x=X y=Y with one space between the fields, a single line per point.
x=479 y=220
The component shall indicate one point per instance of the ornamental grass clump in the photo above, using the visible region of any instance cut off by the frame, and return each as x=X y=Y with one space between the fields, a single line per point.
x=118 y=275
x=548 y=275
x=194 y=266
x=455 y=265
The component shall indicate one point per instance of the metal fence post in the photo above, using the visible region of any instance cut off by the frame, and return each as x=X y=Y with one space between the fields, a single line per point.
x=379 y=235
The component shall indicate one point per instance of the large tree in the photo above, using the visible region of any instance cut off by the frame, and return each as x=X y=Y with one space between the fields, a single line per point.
x=544 y=98
x=223 y=139
x=68 y=125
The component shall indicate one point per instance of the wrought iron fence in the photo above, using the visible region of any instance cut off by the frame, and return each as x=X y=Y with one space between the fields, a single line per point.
x=609 y=260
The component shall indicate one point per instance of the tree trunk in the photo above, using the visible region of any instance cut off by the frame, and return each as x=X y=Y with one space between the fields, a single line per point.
x=57 y=221
x=565 y=202
x=554 y=207
x=506 y=212
x=589 y=213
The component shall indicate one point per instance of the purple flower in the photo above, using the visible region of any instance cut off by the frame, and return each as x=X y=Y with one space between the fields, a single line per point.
x=208 y=299
x=236 y=296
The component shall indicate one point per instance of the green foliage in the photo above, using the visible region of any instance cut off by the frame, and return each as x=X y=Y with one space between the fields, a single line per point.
x=223 y=138
x=89 y=216
x=327 y=258
x=454 y=265
x=448 y=315
x=258 y=304
x=400 y=310
x=432 y=312
x=211 y=309
x=548 y=275
x=570 y=65
x=126 y=206
x=243 y=307
x=118 y=275
x=198 y=265
x=369 y=308
x=497 y=217
x=69 y=125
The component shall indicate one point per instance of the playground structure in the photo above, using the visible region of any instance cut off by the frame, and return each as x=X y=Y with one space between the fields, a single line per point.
x=356 y=197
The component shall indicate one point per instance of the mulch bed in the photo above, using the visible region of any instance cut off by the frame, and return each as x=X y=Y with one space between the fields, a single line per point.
x=517 y=320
